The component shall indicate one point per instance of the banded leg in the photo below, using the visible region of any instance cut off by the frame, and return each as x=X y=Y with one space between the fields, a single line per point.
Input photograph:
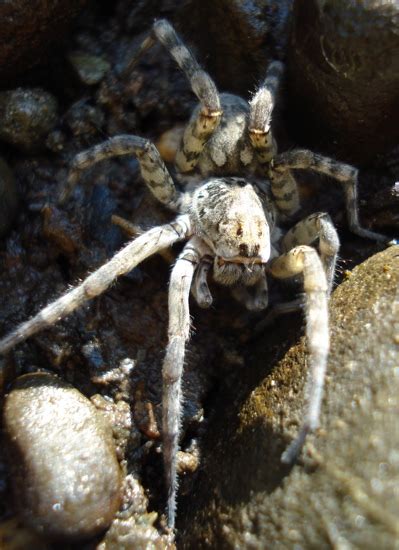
x=260 y=116
x=206 y=117
x=152 y=167
x=124 y=261
x=344 y=173
x=316 y=227
x=179 y=332
x=305 y=260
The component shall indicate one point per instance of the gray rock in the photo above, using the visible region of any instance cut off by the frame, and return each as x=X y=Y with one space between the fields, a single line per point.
x=65 y=476
x=26 y=117
x=344 y=75
x=344 y=494
x=90 y=68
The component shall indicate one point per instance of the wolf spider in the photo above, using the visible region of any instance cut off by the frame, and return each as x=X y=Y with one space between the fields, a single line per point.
x=229 y=219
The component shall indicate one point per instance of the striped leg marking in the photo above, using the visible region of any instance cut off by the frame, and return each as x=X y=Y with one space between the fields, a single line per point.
x=305 y=260
x=204 y=119
x=261 y=108
x=317 y=227
x=285 y=192
x=344 y=173
x=152 y=167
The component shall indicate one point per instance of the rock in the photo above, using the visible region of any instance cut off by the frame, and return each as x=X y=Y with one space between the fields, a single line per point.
x=84 y=119
x=254 y=32
x=344 y=495
x=65 y=476
x=29 y=31
x=344 y=76
x=26 y=117
x=8 y=197
x=90 y=68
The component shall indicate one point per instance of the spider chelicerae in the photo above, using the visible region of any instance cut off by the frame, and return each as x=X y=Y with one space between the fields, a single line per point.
x=229 y=217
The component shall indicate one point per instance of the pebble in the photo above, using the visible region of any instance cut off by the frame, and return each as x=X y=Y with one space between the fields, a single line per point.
x=27 y=115
x=64 y=473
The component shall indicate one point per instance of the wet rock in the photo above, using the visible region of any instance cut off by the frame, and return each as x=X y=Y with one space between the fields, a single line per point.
x=344 y=76
x=65 y=476
x=133 y=526
x=8 y=197
x=30 y=29
x=90 y=68
x=84 y=119
x=26 y=117
x=343 y=491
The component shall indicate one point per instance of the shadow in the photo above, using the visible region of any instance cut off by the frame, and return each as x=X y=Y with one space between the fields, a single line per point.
x=241 y=453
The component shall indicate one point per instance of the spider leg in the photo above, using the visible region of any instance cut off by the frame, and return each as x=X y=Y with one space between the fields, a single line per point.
x=124 y=261
x=179 y=332
x=206 y=118
x=260 y=115
x=283 y=187
x=152 y=167
x=200 y=289
x=304 y=259
x=316 y=227
x=344 y=173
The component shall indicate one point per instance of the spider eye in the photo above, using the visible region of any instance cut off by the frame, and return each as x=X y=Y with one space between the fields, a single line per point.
x=239 y=231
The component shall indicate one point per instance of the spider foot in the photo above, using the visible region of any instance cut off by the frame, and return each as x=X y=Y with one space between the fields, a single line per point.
x=292 y=452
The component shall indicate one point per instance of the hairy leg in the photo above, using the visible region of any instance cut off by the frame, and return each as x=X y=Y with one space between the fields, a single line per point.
x=204 y=119
x=344 y=173
x=124 y=261
x=316 y=227
x=305 y=260
x=152 y=167
x=179 y=332
x=260 y=116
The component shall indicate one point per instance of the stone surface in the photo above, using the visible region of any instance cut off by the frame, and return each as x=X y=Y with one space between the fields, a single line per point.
x=343 y=62
x=26 y=116
x=254 y=32
x=29 y=31
x=61 y=487
x=344 y=491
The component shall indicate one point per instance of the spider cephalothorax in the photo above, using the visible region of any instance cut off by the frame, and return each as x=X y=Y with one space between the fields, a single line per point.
x=229 y=218
x=228 y=215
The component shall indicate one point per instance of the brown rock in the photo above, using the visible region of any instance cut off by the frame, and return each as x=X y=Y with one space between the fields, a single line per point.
x=65 y=476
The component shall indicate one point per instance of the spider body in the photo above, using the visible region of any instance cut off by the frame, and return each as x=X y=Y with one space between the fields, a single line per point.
x=234 y=188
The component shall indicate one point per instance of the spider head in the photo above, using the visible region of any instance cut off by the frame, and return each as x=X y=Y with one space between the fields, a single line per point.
x=230 y=218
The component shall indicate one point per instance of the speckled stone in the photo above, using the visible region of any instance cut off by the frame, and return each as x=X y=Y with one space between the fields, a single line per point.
x=27 y=115
x=343 y=492
x=64 y=472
